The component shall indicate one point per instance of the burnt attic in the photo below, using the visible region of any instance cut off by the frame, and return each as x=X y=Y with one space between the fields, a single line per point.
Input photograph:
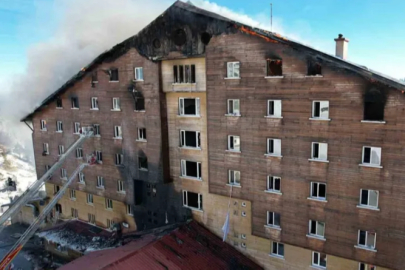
x=187 y=30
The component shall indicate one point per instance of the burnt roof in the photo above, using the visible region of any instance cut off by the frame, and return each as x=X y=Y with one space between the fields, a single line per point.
x=224 y=25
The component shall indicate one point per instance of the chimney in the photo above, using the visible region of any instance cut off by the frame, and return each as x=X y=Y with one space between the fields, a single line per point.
x=341 y=47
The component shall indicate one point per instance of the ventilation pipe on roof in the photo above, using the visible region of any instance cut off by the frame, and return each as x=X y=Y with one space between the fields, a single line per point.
x=341 y=47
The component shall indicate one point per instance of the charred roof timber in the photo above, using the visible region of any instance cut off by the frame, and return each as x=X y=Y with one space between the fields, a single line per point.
x=193 y=29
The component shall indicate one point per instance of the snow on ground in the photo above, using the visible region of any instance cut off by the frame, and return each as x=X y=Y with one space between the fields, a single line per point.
x=20 y=171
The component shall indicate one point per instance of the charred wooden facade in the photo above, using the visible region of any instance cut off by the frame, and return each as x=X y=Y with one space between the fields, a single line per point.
x=301 y=138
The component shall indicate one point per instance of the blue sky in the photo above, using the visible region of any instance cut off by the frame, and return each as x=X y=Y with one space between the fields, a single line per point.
x=375 y=28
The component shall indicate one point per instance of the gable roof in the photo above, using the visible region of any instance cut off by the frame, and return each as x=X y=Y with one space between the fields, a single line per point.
x=189 y=247
x=226 y=25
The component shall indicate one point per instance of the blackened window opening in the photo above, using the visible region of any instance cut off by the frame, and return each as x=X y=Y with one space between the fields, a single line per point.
x=374 y=105
x=139 y=104
x=114 y=75
x=192 y=169
x=189 y=106
x=184 y=74
x=75 y=102
x=315 y=149
x=59 y=103
x=191 y=139
x=364 y=197
x=181 y=74
x=317 y=109
x=314 y=69
x=367 y=155
x=271 y=146
x=143 y=163
x=322 y=190
x=271 y=108
x=58 y=208
x=313 y=227
x=274 y=68
x=192 y=199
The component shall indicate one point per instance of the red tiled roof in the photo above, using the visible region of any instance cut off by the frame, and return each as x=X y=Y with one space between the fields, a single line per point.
x=189 y=247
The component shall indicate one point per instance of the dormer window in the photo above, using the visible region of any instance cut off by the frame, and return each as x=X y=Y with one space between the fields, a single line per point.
x=314 y=69
x=113 y=75
x=274 y=68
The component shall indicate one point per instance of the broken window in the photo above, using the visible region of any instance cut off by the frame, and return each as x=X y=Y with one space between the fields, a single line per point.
x=79 y=152
x=72 y=194
x=139 y=104
x=233 y=70
x=274 y=108
x=192 y=200
x=76 y=128
x=191 y=169
x=364 y=266
x=317 y=228
x=58 y=103
x=233 y=107
x=374 y=105
x=59 y=126
x=184 y=74
x=143 y=163
x=119 y=159
x=274 y=183
x=81 y=178
x=100 y=182
x=108 y=203
x=371 y=156
x=274 y=147
x=92 y=218
x=189 y=106
x=116 y=104
x=43 y=125
x=319 y=151
x=117 y=132
x=234 y=143
x=75 y=102
x=94 y=103
x=99 y=157
x=190 y=139
x=113 y=74
x=63 y=173
x=141 y=134
x=277 y=249
x=58 y=208
x=320 y=110
x=314 y=69
x=89 y=198
x=367 y=239
x=319 y=259
x=61 y=150
x=46 y=149
x=138 y=74
x=274 y=68
x=318 y=191
x=234 y=177
x=273 y=219
x=129 y=210
x=96 y=129
x=369 y=198
x=75 y=213
x=120 y=186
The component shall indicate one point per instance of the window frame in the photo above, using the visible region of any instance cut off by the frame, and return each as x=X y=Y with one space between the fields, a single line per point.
x=82 y=179
x=371 y=149
x=72 y=194
x=135 y=74
x=233 y=113
x=43 y=126
x=367 y=266
x=181 y=111
x=320 y=146
x=185 y=200
x=120 y=186
x=59 y=126
x=275 y=108
x=232 y=177
x=316 y=234
x=273 y=218
x=318 y=263
x=61 y=150
x=268 y=70
x=142 y=135
x=232 y=138
x=272 y=179
x=94 y=104
x=312 y=189
x=368 y=199
x=74 y=102
x=119 y=159
x=79 y=152
x=278 y=249
x=96 y=128
x=183 y=142
x=273 y=154
x=76 y=128
x=184 y=74
x=63 y=173
x=320 y=117
x=59 y=102
x=130 y=211
x=90 y=199
x=91 y=218
x=45 y=148
x=109 y=204
x=232 y=66
x=100 y=182
x=117 y=132
x=183 y=169
x=99 y=156
x=366 y=237
x=112 y=79
x=139 y=164
x=116 y=104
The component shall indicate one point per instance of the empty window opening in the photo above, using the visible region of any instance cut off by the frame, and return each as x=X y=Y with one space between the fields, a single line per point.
x=369 y=198
x=233 y=70
x=100 y=182
x=320 y=109
x=372 y=156
x=367 y=239
x=99 y=156
x=96 y=129
x=119 y=159
x=273 y=219
x=274 y=147
x=319 y=259
x=190 y=139
x=314 y=69
x=46 y=149
x=139 y=104
x=233 y=107
x=191 y=169
x=117 y=132
x=143 y=163
x=90 y=198
x=318 y=191
x=364 y=266
x=374 y=102
x=139 y=74
x=113 y=75
x=274 y=67
x=319 y=151
x=274 y=183
x=317 y=228
x=59 y=126
x=76 y=128
x=193 y=200
x=205 y=38
x=233 y=143
x=184 y=73
x=79 y=153
x=116 y=104
x=58 y=208
x=58 y=102
x=189 y=106
x=75 y=102
x=56 y=189
x=277 y=249
x=234 y=177
x=141 y=134
x=274 y=108
x=94 y=103
x=43 y=125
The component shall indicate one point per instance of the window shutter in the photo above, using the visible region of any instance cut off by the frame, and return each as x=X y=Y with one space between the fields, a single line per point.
x=277 y=147
x=183 y=167
x=323 y=151
x=324 y=108
x=197 y=106
x=277 y=108
x=181 y=106
x=375 y=156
